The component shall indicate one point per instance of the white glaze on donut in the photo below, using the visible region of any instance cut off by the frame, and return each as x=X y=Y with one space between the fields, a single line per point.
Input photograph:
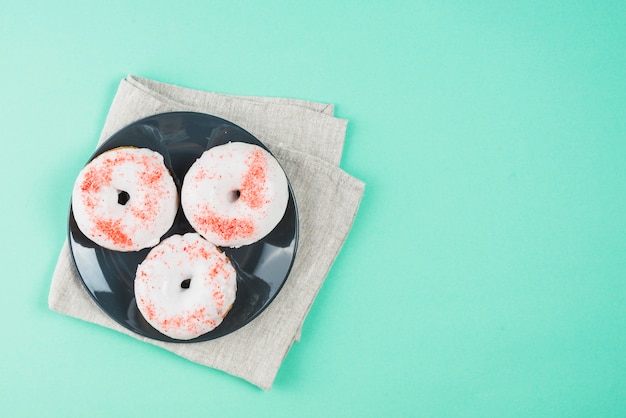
x=125 y=199
x=185 y=286
x=235 y=194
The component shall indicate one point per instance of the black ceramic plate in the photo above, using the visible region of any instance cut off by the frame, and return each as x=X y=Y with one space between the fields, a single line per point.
x=262 y=267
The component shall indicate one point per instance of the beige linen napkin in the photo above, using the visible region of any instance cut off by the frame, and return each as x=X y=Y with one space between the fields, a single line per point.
x=308 y=141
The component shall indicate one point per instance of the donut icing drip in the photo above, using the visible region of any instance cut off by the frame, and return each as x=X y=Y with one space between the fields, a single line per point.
x=235 y=194
x=185 y=311
x=139 y=219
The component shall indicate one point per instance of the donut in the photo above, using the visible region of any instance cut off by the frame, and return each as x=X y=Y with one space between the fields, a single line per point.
x=234 y=194
x=185 y=286
x=125 y=199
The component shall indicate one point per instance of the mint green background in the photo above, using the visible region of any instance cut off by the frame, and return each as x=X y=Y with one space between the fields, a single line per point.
x=486 y=272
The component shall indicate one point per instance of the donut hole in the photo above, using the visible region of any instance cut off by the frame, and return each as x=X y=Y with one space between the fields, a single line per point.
x=234 y=195
x=185 y=283
x=122 y=197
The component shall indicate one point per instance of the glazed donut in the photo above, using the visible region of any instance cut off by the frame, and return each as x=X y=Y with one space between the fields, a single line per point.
x=234 y=194
x=185 y=286
x=125 y=199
